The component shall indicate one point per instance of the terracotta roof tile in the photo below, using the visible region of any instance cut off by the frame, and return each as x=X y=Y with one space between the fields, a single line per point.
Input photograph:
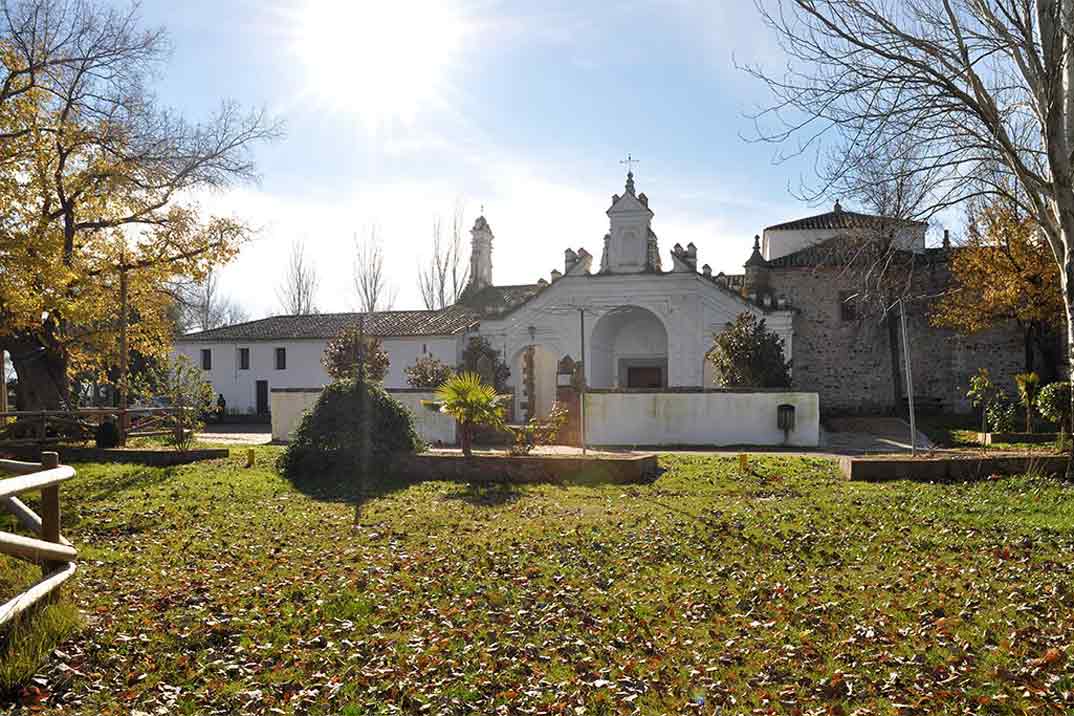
x=446 y=322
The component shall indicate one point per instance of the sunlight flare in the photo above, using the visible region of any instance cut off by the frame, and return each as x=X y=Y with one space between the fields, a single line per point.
x=383 y=62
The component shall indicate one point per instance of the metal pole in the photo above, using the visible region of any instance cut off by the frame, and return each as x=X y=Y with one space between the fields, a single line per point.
x=123 y=320
x=909 y=379
x=585 y=379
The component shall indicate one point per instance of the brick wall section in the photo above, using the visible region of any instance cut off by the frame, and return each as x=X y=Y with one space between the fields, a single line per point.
x=850 y=363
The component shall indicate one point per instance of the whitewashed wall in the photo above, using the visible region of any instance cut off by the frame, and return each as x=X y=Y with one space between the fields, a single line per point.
x=780 y=242
x=304 y=369
x=690 y=308
x=432 y=427
x=699 y=419
x=288 y=407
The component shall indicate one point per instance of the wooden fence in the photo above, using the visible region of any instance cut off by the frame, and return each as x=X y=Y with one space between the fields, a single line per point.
x=49 y=549
x=49 y=427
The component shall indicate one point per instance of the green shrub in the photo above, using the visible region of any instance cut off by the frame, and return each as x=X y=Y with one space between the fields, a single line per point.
x=428 y=372
x=748 y=355
x=539 y=431
x=349 y=438
x=983 y=393
x=350 y=348
x=1054 y=404
x=1001 y=416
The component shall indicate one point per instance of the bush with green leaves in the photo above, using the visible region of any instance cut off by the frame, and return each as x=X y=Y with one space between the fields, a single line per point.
x=350 y=437
x=351 y=348
x=539 y=431
x=748 y=355
x=481 y=358
x=1001 y=416
x=180 y=384
x=983 y=393
x=1053 y=403
x=428 y=372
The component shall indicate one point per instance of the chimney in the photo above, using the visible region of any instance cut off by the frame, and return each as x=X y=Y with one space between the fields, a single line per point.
x=946 y=239
x=556 y=275
x=481 y=254
x=569 y=260
x=706 y=270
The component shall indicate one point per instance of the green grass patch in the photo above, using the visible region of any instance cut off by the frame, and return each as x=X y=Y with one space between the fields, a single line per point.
x=214 y=588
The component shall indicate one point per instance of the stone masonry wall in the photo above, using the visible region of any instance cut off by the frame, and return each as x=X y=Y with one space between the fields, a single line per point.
x=851 y=364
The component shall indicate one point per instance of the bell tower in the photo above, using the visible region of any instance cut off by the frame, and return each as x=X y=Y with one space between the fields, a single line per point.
x=630 y=237
x=481 y=254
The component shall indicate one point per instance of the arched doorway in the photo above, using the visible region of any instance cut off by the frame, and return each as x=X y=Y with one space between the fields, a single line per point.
x=628 y=349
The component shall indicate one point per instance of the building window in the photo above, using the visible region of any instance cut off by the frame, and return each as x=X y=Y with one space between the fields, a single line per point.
x=206 y=359
x=281 y=359
x=244 y=359
x=848 y=305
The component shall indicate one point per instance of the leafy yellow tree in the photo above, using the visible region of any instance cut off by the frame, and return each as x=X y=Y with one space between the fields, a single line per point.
x=1005 y=272
x=97 y=180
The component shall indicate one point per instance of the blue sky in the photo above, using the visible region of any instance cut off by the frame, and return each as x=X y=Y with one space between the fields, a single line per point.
x=394 y=117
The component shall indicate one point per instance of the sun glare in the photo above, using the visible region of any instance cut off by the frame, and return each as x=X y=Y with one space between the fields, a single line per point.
x=383 y=60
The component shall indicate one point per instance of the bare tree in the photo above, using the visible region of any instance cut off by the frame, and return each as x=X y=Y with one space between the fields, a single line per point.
x=297 y=293
x=443 y=277
x=203 y=306
x=371 y=286
x=983 y=89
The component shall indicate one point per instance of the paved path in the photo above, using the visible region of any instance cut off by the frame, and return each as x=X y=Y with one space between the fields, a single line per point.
x=850 y=436
x=236 y=434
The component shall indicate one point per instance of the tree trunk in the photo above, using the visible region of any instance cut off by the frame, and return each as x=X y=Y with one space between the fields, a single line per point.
x=1068 y=303
x=466 y=439
x=42 y=373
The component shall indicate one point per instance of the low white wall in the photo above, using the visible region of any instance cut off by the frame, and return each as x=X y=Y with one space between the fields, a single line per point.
x=431 y=426
x=699 y=418
x=289 y=405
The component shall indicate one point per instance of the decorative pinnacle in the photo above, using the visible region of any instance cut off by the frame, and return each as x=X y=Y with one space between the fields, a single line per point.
x=630 y=162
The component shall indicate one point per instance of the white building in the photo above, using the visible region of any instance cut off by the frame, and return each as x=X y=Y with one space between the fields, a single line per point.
x=645 y=327
x=640 y=329
x=245 y=361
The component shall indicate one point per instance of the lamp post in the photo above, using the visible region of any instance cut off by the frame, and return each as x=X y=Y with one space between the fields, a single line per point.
x=909 y=379
x=585 y=379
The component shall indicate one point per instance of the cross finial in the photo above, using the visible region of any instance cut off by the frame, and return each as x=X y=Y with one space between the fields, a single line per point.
x=630 y=162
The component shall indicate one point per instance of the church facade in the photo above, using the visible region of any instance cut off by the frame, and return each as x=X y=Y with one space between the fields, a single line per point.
x=637 y=323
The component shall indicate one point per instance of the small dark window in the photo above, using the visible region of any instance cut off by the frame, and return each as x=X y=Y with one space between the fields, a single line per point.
x=281 y=359
x=848 y=305
x=206 y=358
x=244 y=359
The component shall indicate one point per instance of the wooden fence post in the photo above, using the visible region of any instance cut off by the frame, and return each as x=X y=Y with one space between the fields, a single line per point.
x=50 y=509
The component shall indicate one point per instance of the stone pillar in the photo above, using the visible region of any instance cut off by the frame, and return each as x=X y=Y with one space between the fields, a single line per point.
x=568 y=377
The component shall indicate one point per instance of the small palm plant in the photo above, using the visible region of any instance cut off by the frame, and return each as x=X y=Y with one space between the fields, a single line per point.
x=472 y=403
x=1028 y=387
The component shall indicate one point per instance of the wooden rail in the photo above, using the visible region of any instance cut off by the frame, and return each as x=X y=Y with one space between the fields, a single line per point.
x=49 y=427
x=49 y=549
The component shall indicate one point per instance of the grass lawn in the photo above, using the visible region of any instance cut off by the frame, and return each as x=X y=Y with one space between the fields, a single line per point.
x=215 y=589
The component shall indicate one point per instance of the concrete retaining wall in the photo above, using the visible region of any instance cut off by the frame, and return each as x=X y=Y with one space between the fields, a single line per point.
x=948 y=468
x=290 y=404
x=699 y=418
